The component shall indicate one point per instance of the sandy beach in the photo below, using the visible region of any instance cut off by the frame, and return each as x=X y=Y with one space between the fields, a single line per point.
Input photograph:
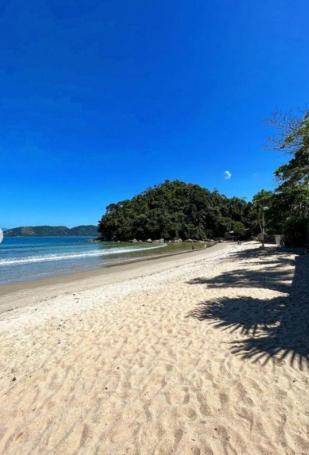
x=201 y=353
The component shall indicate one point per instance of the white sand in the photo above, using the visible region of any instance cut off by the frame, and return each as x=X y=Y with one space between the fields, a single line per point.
x=141 y=367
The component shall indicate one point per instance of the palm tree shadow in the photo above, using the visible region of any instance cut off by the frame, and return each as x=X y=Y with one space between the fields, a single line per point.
x=275 y=279
x=246 y=315
x=275 y=328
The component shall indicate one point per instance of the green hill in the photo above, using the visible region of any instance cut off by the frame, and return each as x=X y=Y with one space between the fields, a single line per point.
x=84 y=230
x=175 y=209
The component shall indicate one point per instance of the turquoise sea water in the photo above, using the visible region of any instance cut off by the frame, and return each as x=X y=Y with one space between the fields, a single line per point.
x=28 y=258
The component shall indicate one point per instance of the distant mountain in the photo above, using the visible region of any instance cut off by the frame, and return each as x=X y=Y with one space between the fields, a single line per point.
x=26 y=231
x=84 y=230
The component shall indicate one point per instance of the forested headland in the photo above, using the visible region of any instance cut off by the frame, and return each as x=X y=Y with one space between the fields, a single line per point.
x=175 y=209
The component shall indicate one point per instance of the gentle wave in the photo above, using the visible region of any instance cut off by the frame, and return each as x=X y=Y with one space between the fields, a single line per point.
x=61 y=257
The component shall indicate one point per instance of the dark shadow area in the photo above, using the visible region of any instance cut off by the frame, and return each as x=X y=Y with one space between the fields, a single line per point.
x=243 y=314
x=264 y=253
x=275 y=328
x=271 y=278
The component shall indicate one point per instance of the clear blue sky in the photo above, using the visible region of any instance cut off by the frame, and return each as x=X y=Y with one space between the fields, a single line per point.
x=102 y=99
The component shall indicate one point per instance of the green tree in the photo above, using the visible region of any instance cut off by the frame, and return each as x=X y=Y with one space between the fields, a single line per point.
x=294 y=175
x=266 y=201
x=239 y=229
x=171 y=210
x=293 y=191
x=288 y=205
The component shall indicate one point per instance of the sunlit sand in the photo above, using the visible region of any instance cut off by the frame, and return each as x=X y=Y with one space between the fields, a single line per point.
x=206 y=353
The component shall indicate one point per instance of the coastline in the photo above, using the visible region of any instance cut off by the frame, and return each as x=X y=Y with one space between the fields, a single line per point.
x=12 y=295
x=35 y=259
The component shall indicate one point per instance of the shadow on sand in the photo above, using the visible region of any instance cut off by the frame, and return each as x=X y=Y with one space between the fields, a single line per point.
x=275 y=328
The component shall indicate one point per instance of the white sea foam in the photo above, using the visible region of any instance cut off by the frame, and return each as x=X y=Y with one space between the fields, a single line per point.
x=85 y=254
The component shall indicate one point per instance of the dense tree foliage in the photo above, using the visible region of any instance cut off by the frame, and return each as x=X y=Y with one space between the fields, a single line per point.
x=294 y=176
x=293 y=192
x=288 y=205
x=175 y=209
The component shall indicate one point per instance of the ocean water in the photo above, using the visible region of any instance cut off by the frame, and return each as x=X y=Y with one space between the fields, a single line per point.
x=28 y=258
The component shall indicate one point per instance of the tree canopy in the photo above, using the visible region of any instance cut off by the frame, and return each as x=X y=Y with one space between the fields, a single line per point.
x=174 y=209
x=289 y=204
x=294 y=175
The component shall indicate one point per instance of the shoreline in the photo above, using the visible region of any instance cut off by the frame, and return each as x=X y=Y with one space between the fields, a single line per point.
x=117 y=259
x=12 y=295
